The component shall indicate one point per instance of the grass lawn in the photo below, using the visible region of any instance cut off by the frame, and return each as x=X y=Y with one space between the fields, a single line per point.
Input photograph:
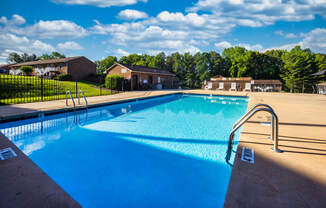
x=22 y=89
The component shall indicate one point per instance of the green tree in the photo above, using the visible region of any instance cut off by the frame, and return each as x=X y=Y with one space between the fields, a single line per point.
x=103 y=65
x=217 y=65
x=202 y=71
x=188 y=64
x=53 y=55
x=27 y=70
x=16 y=58
x=131 y=59
x=159 y=61
x=237 y=59
x=174 y=64
x=320 y=62
x=298 y=66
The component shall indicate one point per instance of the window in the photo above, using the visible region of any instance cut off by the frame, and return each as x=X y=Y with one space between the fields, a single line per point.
x=158 y=79
x=123 y=70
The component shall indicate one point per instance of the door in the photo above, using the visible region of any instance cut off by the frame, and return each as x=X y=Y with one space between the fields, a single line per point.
x=134 y=82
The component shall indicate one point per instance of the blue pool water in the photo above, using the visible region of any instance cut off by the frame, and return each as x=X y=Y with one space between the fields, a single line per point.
x=160 y=152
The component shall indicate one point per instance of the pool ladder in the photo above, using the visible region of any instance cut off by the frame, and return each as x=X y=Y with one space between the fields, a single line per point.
x=73 y=101
x=82 y=93
x=245 y=118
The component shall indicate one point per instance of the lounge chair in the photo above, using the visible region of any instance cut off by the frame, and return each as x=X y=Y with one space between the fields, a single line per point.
x=259 y=89
x=269 y=89
x=233 y=86
x=247 y=87
x=314 y=89
x=209 y=86
x=220 y=86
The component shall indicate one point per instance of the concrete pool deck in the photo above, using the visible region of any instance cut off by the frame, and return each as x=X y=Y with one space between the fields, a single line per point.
x=294 y=178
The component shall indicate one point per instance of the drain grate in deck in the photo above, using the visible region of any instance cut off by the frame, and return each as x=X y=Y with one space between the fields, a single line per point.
x=7 y=153
x=248 y=155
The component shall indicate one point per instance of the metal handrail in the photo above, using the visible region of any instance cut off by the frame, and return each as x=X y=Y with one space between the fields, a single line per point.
x=81 y=92
x=246 y=118
x=251 y=110
x=68 y=92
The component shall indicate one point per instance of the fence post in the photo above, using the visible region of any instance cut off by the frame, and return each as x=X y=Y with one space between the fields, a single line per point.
x=76 y=88
x=42 y=88
x=100 y=85
x=111 y=84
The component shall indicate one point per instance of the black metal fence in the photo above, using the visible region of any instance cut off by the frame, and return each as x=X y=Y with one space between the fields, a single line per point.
x=26 y=89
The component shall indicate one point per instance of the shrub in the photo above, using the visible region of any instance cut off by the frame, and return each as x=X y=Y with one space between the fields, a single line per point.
x=116 y=82
x=64 y=77
x=95 y=78
x=27 y=70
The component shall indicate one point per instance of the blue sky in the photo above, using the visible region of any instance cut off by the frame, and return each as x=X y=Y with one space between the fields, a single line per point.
x=99 y=28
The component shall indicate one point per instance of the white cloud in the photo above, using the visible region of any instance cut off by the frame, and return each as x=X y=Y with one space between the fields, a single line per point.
x=290 y=35
x=21 y=44
x=99 y=3
x=15 y=20
x=315 y=40
x=256 y=47
x=130 y=14
x=69 y=45
x=287 y=47
x=42 y=29
x=4 y=55
x=6 y=40
x=168 y=32
x=255 y=13
x=150 y=36
x=224 y=44
x=3 y=20
x=120 y=52
x=18 y=20
x=54 y=29
x=191 y=18
x=39 y=46
x=279 y=32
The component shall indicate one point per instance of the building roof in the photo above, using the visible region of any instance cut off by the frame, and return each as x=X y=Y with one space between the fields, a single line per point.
x=143 y=69
x=50 y=61
x=220 y=78
x=322 y=84
x=323 y=72
x=271 y=81
x=5 y=66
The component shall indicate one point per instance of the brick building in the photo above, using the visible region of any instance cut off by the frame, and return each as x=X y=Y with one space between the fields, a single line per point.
x=141 y=77
x=78 y=67
x=241 y=82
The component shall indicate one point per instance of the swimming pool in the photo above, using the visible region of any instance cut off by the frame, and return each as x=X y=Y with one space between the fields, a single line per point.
x=160 y=152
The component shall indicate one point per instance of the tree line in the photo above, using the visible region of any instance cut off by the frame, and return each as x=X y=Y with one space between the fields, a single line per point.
x=293 y=68
x=14 y=58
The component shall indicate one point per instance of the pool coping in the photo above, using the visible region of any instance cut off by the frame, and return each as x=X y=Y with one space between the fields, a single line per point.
x=25 y=184
x=35 y=114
